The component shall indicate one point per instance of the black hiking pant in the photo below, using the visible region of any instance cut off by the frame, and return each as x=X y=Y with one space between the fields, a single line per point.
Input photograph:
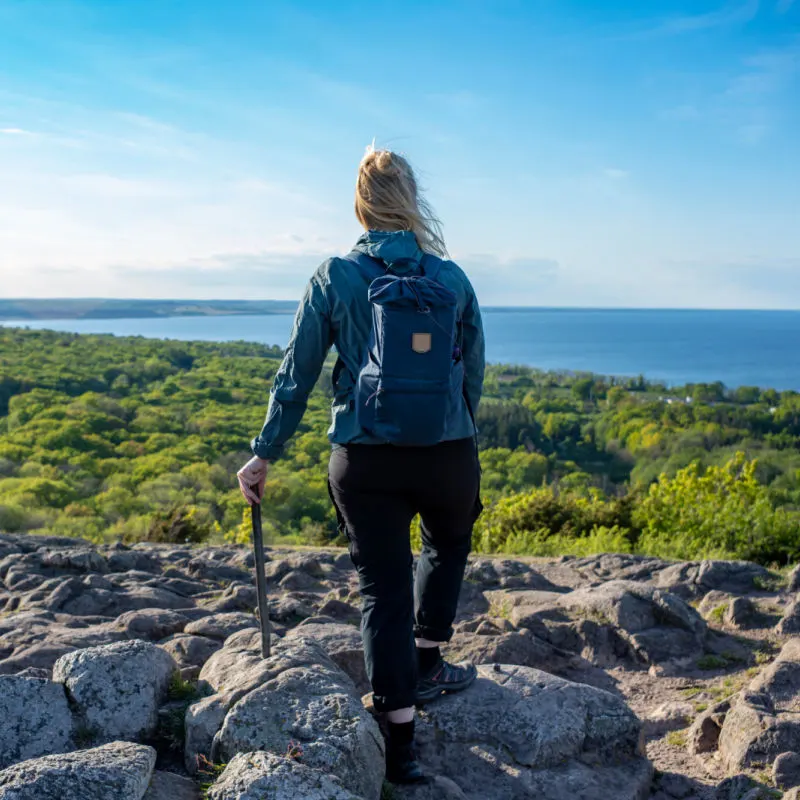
x=377 y=491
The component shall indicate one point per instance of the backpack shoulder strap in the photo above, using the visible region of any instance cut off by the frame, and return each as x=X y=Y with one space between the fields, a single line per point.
x=431 y=266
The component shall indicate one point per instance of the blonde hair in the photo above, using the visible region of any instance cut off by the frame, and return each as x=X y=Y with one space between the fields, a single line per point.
x=388 y=199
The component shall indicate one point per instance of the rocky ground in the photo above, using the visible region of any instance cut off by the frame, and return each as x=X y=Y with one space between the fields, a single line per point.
x=130 y=673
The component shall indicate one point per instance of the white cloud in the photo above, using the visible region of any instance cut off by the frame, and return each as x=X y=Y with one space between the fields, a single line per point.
x=614 y=173
x=14 y=132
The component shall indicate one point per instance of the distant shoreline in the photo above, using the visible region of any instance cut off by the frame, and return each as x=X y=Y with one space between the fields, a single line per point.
x=33 y=309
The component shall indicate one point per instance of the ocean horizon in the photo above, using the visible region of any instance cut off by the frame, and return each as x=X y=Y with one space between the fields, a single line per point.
x=673 y=346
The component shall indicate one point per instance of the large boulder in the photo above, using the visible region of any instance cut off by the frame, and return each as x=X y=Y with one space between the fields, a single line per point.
x=253 y=776
x=116 y=771
x=317 y=707
x=793 y=584
x=116 y=689
x=298 y=694
x=34 y=719
x=519 y=732
x=613 y=621
x=764 y=720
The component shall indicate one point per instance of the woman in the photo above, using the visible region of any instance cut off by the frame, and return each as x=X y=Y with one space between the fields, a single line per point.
x=379 y=483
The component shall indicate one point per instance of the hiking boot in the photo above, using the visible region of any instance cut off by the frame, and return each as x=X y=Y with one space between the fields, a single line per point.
x=445 y=678
x=402 y=765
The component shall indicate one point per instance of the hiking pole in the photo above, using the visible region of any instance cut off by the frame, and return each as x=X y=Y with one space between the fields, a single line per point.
x=261 y=578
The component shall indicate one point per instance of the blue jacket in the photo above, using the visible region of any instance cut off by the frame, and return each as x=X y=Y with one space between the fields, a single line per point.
x=335 y=311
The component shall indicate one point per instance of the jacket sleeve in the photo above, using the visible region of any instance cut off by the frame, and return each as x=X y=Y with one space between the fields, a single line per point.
x=474 y=350
x=310 y=342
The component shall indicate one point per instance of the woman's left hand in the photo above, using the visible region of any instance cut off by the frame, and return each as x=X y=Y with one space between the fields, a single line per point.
x=252 y=478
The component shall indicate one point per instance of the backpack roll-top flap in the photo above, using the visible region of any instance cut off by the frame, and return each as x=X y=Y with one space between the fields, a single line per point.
x=415 y=290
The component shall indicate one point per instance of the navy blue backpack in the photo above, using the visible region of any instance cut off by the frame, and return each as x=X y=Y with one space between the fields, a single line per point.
x=412 y=378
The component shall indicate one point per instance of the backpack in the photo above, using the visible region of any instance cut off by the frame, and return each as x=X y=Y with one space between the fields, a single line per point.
x=412 y=377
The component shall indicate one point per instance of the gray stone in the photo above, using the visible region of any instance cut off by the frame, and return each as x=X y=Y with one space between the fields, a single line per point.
x=343 y=645
x=436 y=788
x=790 y=623
x=714 y=602
x=764 y=721
x=741 y=612
x=221 y=626
x=675 y=785
x=786 y=770
x=152 y=624
x=668 y=717
x=190 y=651
x=168 y=786
x=736 y=577
x=516 y=647
x=794 y=580
x=317 y=707
x=116 y=689
x=237 y=597
x=259 y=775
x=703 y=736
x=34 y=719
x=520 y=730
x=735 y=787
x=37 y=656
x=298 y=581
x=116 y=771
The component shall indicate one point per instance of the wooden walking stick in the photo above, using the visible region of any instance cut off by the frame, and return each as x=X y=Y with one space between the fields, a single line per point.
x=261 y=578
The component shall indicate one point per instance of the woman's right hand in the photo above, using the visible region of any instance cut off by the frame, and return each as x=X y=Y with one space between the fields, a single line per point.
x=252 y=478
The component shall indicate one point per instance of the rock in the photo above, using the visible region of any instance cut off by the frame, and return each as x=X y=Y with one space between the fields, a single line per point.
x=519 y=730
x=221 y=626
x=793 y=584
x=340 y=611
x=675 y=785
x=237 y=597
x=317 y=707
x=735 y=787
x=152 y=624
x=436 y=788
x=613 y=621
x=298 y=581
x=37 y=656
x=34 y=719
x=253 y=776
x=790 y=623
x=741 y=612
x=736 y=577
x=764 y=721
x=116 y=689
x=190 y=651
x=116 y=771
x=343 y=645
x=792 y=794
x=786 y=770
x=703 y=736
x=518 y=647
x=714 y=605
x=668 y=717
x=168 y=786
x=210 y=570
x=81 y=560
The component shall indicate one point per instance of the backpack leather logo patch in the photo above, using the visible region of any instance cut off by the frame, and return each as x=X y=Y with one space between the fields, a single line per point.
x=421 y=342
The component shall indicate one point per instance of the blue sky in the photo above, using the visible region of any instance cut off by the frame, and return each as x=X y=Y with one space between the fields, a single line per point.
x=579 y=153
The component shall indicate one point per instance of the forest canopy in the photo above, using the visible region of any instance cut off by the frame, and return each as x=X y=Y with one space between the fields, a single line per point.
x=132 y=438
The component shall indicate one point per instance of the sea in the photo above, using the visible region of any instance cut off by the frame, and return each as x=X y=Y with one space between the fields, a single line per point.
x=739 y=348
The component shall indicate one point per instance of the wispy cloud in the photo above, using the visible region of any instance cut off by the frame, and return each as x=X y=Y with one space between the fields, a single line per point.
x=15 y=132
x=615 y=173
x=727 y=16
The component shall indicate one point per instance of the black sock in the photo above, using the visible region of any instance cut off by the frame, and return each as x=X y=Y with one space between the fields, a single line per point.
x=401 y=734
x=427 y=658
